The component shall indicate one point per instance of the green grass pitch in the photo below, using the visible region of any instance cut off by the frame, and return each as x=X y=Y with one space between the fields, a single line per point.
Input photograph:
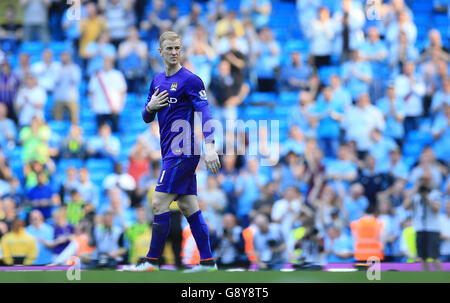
x=109 y=276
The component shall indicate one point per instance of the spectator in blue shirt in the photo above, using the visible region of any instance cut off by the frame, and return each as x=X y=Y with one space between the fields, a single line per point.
x=42 y=197
x=340 y=93
x=355 y=204
x=441 y=135
x=381 y=146
x=258 y=10
x=357 y=75
x=266 y=52
x=88 y=190
x=248 y=189
x=328 y=111
x=296 y=75
x=227 y=180
x=338 y=246
x=8 y=130
x=104 y=145
x=374 y=51
x=342 y=169
x=396 y=167
x=97 y=50
x=299 y=115
x=41 y=231
x=393 y=110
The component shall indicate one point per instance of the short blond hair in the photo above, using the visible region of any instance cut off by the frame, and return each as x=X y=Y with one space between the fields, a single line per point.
x=168 y=36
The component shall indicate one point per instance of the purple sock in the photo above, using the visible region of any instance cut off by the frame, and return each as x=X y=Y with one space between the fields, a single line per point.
x=200 y=232
x=160 y=231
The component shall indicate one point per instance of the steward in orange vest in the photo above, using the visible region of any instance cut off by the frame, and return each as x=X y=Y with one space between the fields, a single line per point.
x=367 y=236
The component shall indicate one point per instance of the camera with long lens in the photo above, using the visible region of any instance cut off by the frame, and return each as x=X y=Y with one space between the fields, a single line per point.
x=424 y=189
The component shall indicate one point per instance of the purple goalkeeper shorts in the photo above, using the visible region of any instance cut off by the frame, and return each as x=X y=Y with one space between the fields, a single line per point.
x=178 y=176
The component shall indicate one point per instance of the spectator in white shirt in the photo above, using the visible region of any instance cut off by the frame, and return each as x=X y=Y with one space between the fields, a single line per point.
x=30 y=101
x=321 y=34
x=119 y=16
x=403 y=23
x=107 y=92
x=349 y=21
x=266 y=57
x=425 y=202
x=104 y=145
x=360 y=120
x=285 y=211
x=215 y=203
x=441 y=97
x=401 y=52
x=46 y=70
x=410 y=87
x=66 y=89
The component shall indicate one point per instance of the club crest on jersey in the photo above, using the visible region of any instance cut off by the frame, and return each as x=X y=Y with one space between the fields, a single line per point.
x=202 y=94
x=174 y=86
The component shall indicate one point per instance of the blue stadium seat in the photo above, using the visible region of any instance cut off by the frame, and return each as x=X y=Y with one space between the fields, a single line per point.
x=33 y=48
x=421 y=6
x=257 y=112
x=288 y=98
x=97 y=178
x=63 y=164
x=87 y=114
x=326 y=71
x=99 y=165
x=89 y=128
x=59 y=127
x=58 y=47
x=420 y=137
x=17 y=168
x=282 y=112
x=261 y=97
x=412 y=149
x=297 y=45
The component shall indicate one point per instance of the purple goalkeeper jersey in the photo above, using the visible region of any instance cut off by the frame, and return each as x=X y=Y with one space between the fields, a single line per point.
x=187 y=95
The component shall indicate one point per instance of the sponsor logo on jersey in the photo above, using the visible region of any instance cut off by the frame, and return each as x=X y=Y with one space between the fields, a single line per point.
x=173 y=100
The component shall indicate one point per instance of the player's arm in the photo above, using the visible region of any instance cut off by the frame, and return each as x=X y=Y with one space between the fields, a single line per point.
x=155 y=102
x=200 y=102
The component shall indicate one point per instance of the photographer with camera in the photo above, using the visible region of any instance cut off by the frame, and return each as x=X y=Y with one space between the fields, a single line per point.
x=425 y=204
x=230 y=251
x=269 y=243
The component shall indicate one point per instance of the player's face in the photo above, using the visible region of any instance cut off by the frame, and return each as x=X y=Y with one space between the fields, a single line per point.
x=171 y=52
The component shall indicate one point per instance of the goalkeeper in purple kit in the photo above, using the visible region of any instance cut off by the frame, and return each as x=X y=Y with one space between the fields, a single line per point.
x=174 y=96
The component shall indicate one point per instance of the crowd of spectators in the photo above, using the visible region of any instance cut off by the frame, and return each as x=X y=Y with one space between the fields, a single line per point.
x=364 y=110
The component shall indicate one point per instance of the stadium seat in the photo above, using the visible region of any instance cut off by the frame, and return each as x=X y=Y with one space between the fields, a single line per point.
x=89 y=128
x=297 y=45
x=63 y=164
x=413 y=149
x=420 y=137
x=281 y=112
x=288 y=98
x=58 y=47
x=59 y=127
x=257 y=112
x=32 y=48
x=260 y=97
x=99 y=165
x=326 y=71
